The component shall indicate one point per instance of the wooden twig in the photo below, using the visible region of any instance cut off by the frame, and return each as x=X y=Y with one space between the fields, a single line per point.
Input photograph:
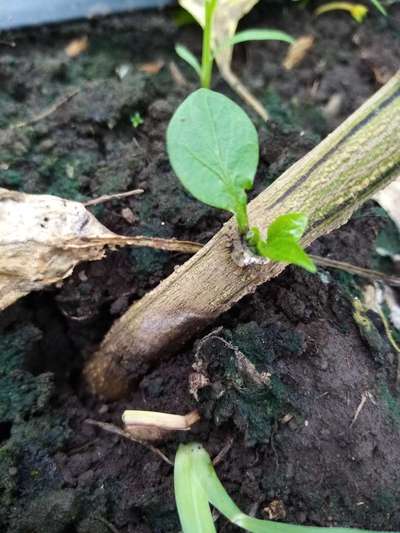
x=47 y=112
x=118 y=431
x=374 y=275
x=169 y=245
x=237 y=85
x=115 y=196
x=112 y=528
x=360 y=157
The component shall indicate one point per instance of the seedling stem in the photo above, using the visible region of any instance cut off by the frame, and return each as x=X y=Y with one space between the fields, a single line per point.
x=207 y=58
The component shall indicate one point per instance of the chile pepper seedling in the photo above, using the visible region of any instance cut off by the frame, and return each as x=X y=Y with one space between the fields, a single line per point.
x=197 y=486
x=213 y=149
x=204 y=71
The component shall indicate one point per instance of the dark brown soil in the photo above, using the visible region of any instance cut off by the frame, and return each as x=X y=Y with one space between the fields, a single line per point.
x=296 y=439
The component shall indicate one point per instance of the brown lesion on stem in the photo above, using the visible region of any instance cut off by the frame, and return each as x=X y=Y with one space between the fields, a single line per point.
x=341 y=173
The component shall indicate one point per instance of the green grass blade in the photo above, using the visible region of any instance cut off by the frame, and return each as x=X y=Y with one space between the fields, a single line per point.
x=260 y=35
x=203 y=471
x=267 y=526
x=187 y=56
x=381 y=8
x=191 y=499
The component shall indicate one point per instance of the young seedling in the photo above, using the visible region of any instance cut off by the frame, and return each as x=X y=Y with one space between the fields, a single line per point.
x=197 y=486
x=204 y=70
x=213 y=149
x=357 y=11
x=136 y=119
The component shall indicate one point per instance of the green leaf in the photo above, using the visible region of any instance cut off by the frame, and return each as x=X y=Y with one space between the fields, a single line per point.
x=191 y=499
x=379 y=7
x=213 y=149
x=287 y=250
x=260 y=35
x=203 y=472
x=187 y=56
x=283 y=238
x=289 y=225
x=282 y=243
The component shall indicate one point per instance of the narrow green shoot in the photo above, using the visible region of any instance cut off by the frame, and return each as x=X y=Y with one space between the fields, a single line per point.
x=190 y=58
x=213 y=149
x=259 y=35
x=380 y=7
x=195 y=477
x=204 y=70
x=207 y=57
x=357 y=11
x=191 y=500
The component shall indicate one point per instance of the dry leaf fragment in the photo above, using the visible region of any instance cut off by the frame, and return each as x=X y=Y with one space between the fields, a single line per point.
x=297 y=51
x=150 y=425
x=43 y=237
x=389 y=199
x=76 y=47
x=153 y=67
x=275 y=510
x=226 y=18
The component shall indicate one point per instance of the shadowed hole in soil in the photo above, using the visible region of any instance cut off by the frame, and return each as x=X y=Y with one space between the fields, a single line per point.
x=5 y=431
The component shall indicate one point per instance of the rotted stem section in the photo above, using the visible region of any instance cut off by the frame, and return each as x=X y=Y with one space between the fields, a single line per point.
x=328 y=184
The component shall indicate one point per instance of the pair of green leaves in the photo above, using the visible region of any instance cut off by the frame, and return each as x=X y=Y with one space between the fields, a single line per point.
x=240 y=37
x=213 y=149
x=197 y=486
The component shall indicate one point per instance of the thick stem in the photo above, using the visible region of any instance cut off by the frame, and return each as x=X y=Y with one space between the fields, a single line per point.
x=328 y=184
x=207 y=58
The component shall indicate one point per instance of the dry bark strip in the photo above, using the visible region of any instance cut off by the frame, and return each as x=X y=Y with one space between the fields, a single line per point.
x=328 y=184
x=43 y=238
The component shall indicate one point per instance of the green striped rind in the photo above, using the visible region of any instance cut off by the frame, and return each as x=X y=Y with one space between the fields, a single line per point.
x=347 y=168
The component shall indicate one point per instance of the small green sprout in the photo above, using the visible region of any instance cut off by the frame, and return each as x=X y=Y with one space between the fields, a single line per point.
x=136 y=119
x=357 y=11
x=197 y=486
x=204 y=71
x=213 y=149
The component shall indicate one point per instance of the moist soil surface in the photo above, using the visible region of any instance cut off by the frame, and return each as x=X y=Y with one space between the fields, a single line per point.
x=311 y=431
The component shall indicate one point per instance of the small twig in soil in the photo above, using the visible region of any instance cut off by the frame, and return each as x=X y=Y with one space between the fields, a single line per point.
x=244 y=92
x=222 y=453
x=107 y=524
x=108 y=197
x=84 y=447
x=169 y=245
x=177 y=75
x=47 y=112
x=375 y=275
x=118 y=431
x=364 y=397
x=11 y=44
x=358 y=271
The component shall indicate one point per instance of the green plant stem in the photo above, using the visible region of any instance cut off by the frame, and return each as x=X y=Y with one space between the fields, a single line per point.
x=207 y=55
x=242 y=218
